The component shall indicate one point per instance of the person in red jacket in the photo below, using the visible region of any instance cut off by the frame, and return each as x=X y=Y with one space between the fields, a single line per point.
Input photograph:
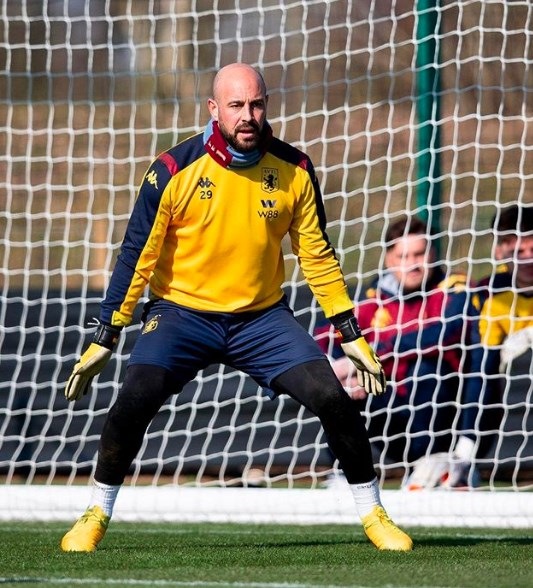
x=420 y=322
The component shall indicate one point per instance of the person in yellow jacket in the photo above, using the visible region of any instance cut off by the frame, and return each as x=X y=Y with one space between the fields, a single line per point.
x=505 y=299
x=206 y=235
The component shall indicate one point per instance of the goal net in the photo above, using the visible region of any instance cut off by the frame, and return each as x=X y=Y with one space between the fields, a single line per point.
x=90 y=92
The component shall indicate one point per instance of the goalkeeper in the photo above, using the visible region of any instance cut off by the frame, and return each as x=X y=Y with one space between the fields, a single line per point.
x=206 y=235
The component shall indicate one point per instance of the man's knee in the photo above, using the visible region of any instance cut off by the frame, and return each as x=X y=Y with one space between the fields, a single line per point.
x=314 y=385
x=144 y=390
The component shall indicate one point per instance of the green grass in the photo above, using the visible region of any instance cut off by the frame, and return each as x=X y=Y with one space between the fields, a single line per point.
x=222 y=555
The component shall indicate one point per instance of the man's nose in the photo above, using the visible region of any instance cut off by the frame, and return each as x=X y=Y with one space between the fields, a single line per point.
x=248 y=112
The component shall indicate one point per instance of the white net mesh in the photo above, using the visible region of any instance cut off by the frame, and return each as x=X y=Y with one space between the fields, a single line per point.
x=90 y=92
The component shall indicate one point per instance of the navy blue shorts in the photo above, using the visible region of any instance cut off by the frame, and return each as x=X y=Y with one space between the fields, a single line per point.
x=262 y=344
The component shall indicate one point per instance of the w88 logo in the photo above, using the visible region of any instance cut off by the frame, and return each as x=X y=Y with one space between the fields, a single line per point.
x=268 y=214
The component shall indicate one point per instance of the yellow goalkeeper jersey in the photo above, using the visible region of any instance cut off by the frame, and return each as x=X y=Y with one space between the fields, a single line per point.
x=209 y=236
x=503 y=314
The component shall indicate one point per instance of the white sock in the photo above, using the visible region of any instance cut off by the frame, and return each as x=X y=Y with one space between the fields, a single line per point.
x=104 y=496
x=366 y=496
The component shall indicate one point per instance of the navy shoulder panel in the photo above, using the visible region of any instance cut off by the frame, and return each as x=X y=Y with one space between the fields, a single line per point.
x=289 y=153
x=183 y=154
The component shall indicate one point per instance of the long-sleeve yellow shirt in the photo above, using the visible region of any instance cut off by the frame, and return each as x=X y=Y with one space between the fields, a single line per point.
x=503 y=314
x=209 y=237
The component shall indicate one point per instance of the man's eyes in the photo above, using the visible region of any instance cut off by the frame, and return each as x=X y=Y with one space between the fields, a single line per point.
x=238 y=106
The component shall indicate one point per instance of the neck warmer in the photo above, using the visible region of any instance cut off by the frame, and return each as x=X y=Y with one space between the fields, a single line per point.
x=225 y=155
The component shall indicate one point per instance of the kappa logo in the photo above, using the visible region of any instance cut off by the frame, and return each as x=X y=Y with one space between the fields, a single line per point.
x=151 y=325
x=270 y=179
x=151 y=178
x=205 y=183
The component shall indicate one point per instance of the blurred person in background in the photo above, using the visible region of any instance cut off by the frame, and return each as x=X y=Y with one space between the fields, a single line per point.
x=503 y=225
x=505 y=299
x=424 y=328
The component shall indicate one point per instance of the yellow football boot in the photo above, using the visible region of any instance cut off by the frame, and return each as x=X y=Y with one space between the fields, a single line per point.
x=87 y=532
x=383 y=533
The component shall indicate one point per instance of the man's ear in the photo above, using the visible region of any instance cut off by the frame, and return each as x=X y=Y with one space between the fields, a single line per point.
x=212 y=106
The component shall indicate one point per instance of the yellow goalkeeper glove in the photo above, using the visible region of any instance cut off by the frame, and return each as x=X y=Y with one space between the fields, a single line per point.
x=92 y=362
x=369 y=370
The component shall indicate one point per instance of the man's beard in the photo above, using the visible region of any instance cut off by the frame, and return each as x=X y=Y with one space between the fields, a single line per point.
x=241 y=146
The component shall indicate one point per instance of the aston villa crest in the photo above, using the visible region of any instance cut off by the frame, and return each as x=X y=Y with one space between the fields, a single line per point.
x=270 y=181
x=151 y=325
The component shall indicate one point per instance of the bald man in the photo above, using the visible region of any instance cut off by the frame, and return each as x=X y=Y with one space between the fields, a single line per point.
x=205 y=235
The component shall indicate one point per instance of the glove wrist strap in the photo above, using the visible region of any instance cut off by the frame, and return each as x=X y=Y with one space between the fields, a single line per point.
x=107 y=336
x=347 y=325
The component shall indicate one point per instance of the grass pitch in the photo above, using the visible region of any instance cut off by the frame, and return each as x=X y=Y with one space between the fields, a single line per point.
x=223 y=555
